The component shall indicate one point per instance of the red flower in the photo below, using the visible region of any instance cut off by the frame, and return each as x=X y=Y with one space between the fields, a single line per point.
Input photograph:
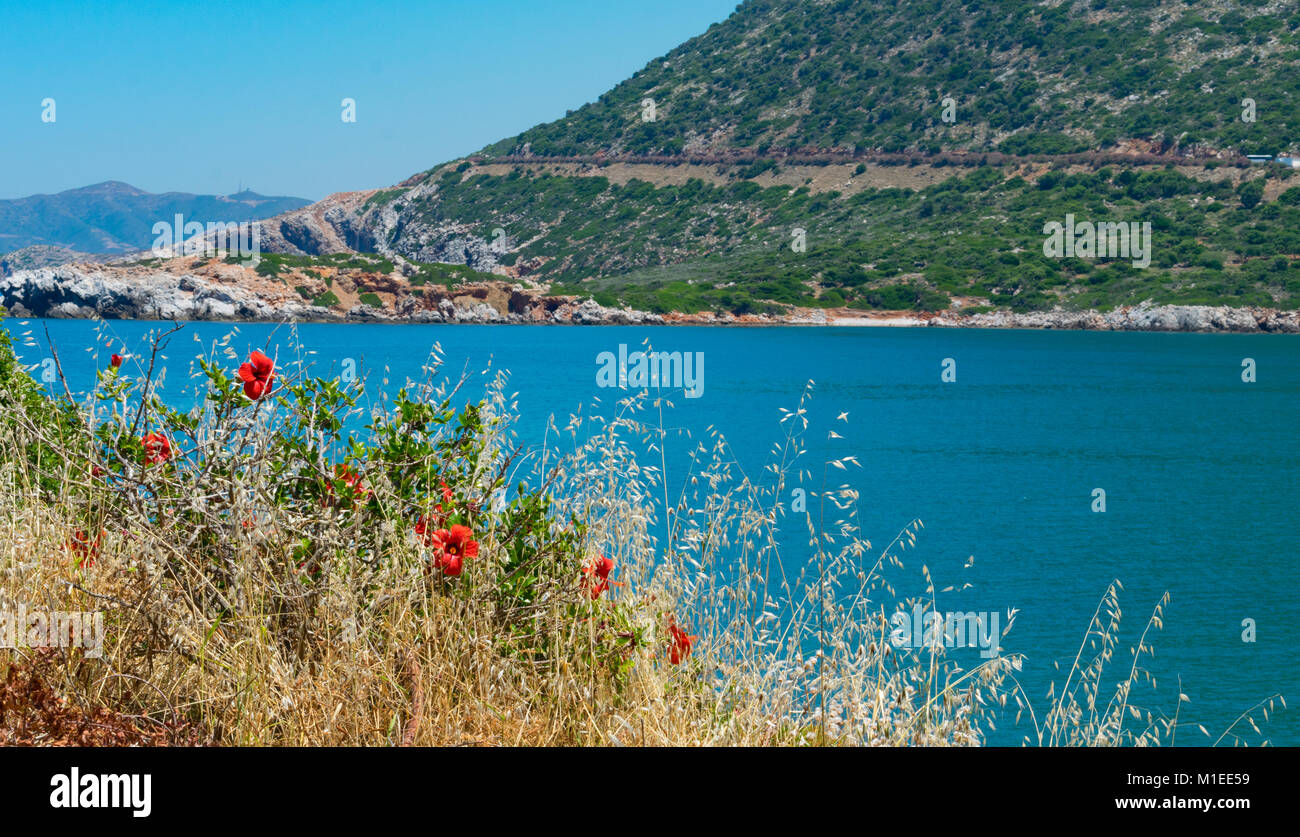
x=115 y=361
x=451 y=547
x=425 y=526
x=350 y=478
x=157 y=448
x=597 y=572
x=679 y=646
x=84 y=548
x=426 y=529
x=258 y=375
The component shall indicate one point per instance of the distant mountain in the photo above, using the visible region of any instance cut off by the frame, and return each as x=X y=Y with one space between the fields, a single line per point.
x=115 y=217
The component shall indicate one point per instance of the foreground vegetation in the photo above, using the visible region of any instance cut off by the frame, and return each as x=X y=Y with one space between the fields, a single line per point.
x=293 y=563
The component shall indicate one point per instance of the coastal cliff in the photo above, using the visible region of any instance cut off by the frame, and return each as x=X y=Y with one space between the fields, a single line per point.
x=189 y=289
x=195 y=289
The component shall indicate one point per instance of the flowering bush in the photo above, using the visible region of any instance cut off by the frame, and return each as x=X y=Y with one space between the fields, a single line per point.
x=274 y=503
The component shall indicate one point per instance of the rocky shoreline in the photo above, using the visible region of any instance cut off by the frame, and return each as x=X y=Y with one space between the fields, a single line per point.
x=222 y=292
x=1146 y=317
x=231 y=293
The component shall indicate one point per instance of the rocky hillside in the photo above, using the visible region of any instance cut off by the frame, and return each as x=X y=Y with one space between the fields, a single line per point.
x=1051 y=76
x=871 y=237
x=279 y=288
x=797 y=155
x=39 y=255
x=115 y=217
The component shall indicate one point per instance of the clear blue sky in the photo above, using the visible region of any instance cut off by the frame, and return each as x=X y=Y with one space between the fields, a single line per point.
x=202 y=96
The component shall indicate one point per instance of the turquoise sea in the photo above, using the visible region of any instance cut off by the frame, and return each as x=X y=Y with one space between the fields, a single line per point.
x=1199 y=467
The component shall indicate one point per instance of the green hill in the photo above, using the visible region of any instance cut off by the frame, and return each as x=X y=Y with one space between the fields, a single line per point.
x=1046 y=77
x=798 y=155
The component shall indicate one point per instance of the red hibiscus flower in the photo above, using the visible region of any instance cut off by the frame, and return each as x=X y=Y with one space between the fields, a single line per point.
x=84 y=548
x=350 y=478
x=426 y=526
x=451 y=547
x=115 y=361
x=597 y=572
x=258 y=375
x=679 y=645
x=157 y=448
